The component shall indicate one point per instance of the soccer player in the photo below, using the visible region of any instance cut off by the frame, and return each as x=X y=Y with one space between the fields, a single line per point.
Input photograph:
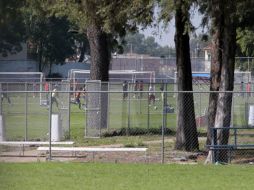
x=54 y=97
x=151 y=96
x=77 y=98
x=125 y=88
x=141 y=88
x=4 y=95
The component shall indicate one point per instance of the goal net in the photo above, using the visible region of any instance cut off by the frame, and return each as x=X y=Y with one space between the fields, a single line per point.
x=242 y=77
x=79 y=77
x=24 y=81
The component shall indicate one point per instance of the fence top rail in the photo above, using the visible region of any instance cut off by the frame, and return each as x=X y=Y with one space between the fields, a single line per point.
x=35 y=143
x=121 y=91
x=93 y=149
x=25 y=73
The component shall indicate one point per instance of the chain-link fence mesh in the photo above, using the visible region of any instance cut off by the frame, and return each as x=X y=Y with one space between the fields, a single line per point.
x=130 y=115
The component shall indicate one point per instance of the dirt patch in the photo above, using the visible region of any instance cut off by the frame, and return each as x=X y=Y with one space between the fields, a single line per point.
x=153 y=155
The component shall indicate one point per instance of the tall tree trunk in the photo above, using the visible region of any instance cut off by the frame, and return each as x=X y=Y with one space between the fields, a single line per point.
x=224 y=102
x=100 y=53
x=100 y=58
x=186 y=134
x=82 y=52
x=223 y=114
x=216 y=63
x=50 y=69
x=40 y=57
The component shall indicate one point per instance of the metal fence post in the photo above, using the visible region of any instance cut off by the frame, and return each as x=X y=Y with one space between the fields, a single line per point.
x=69 y=111
x=232 y=111
x=139 y=97
x=50 y=123
x=1 y=103
x=166 y=101
x=108 y=110
x=214 y=145
x=200 y=108
x=148 y=112
x=26 y=102
x=163 y=127
x=129 y=110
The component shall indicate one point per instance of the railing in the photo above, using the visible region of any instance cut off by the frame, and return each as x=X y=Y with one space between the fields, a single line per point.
x=232 y=143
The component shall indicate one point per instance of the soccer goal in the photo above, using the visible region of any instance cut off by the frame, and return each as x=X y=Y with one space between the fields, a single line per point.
x=242 y=77
x=24 y=81
x=79 y=77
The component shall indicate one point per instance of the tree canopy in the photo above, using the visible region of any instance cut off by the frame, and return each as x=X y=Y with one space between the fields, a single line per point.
x=139 y=44
x=49 y=35
x=11 y=26
x=246 y=42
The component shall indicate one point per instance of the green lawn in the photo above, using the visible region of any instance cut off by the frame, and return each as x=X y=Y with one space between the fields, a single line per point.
x=90 y=176
x=139 y=114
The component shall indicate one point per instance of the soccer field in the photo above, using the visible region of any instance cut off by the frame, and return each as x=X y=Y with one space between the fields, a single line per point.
x=134 y=112
x=89 y=176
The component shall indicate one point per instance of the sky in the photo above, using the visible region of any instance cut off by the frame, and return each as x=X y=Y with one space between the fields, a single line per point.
x=166 y=36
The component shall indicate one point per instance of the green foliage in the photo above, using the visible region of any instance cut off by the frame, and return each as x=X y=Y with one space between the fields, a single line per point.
x=167 y=10
x=137 y=132
x=112 y=16
x=246 y=41
x=150 y=44
x=244 y=13
x=12 y=30
x=134 y=43
x=49 y=34
x=138 y=43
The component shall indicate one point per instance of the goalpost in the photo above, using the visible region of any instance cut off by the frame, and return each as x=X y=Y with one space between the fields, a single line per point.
x=98 y=116
x=23 y=81
x=242 y=76
x=77 y=76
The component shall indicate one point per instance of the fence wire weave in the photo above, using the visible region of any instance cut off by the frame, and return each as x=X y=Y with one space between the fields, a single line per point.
x=137 y=115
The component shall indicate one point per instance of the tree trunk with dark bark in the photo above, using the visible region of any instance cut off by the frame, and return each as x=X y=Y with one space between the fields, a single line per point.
x=224 y=105
x=40 y=57
x=100 y=53
x=186 y=134
x=216 y=63
x=82 y=52
x=100 y=58
x=224 y=102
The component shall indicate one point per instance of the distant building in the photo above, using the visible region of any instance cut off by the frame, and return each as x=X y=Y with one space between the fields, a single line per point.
x=18 y=62
x=23 y=62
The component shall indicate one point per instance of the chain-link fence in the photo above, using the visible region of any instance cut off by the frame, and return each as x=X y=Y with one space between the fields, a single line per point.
x=173 y=126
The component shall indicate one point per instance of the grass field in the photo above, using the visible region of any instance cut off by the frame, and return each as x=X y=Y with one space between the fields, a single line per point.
x=139 y=114
x=75 y=176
